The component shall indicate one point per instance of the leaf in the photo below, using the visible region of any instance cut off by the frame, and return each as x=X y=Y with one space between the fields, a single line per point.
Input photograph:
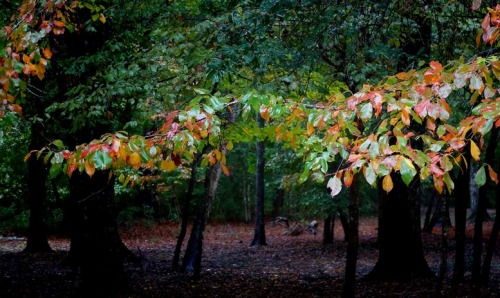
x=493 y=174
x=334 y=185
x=348 y=177
x=474 y=150
x=448 y=181
x=387 y=184
x=407 y=170
x=135 y=160
x=438 y=184
x=89 y=168
x=224 y=169
x=102 y=160
x=370 y=175
x=366 y=112
x=168 y=165
x=55 y=170
x=102 y=18
x=476 y=4
x=480 y=176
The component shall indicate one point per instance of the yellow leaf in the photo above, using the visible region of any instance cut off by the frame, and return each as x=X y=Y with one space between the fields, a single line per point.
x=474 y=150
x=135 y=160
x=229 y=145
x=310 y=129
x=387 y=184
x=89 y=168
x=204 y=133
x=218 y=154
x=168 y=165
x=122 y=153
x=102 y=18
x=225 y=169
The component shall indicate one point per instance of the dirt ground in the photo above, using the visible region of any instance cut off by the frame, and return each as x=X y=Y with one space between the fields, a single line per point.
x=289 y=266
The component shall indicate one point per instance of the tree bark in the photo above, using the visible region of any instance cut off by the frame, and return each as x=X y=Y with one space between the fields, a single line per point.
x=278 y=202
x=485 y=275
x=260 y=233
x=443 y=264
x=481 y=214
x=185 y=212
x=352 y=244
x=345 y=223
x=462 y=197
x=192 y=258
x=328 y=229
x=401 y=255
x=96 y=246
x=37 y=196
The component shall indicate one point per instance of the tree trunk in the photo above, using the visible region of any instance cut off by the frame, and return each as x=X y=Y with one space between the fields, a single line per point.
x=185 y=212
x=37 y=196
x=443 y=264
x=481 y=213
x=485 y=275
x=401 y=255
x=345 y=223
x=328 y=229
x=473 y=190
x=352 y=243
x=462 y=197
x=278 y=202
x=191 y=262
x=260 y=233
x=96 y=246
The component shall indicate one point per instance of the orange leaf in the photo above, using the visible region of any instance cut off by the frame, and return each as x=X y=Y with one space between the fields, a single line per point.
x=387 y=184
x=438 y=184
x=47 y=53
x=493 y=174
x=310 y=129
x=348 y=177
x=89 y=168
x=224 y=169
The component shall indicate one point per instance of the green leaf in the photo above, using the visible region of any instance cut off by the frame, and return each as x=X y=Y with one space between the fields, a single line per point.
x=366 y=112
x=370 y=175
x=55 y=170
x=448 y=181
x=480 y=176
x=102 y=160
x=407 y=171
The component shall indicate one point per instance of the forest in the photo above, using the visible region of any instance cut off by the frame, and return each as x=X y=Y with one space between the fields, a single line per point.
x=234 y=148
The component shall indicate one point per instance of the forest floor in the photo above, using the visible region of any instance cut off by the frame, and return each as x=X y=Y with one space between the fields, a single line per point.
x=289 y=266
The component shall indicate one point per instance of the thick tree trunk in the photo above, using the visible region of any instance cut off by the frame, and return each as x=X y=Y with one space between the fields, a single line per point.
x=462 y=197
x=481 y=213
x=401 y=255
x=191 y=262
x=328 y=229
x=260 y=232
x=37 y=196
x=352 y=244
x=96 y=246
x=185 y=212
x=485 y=275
